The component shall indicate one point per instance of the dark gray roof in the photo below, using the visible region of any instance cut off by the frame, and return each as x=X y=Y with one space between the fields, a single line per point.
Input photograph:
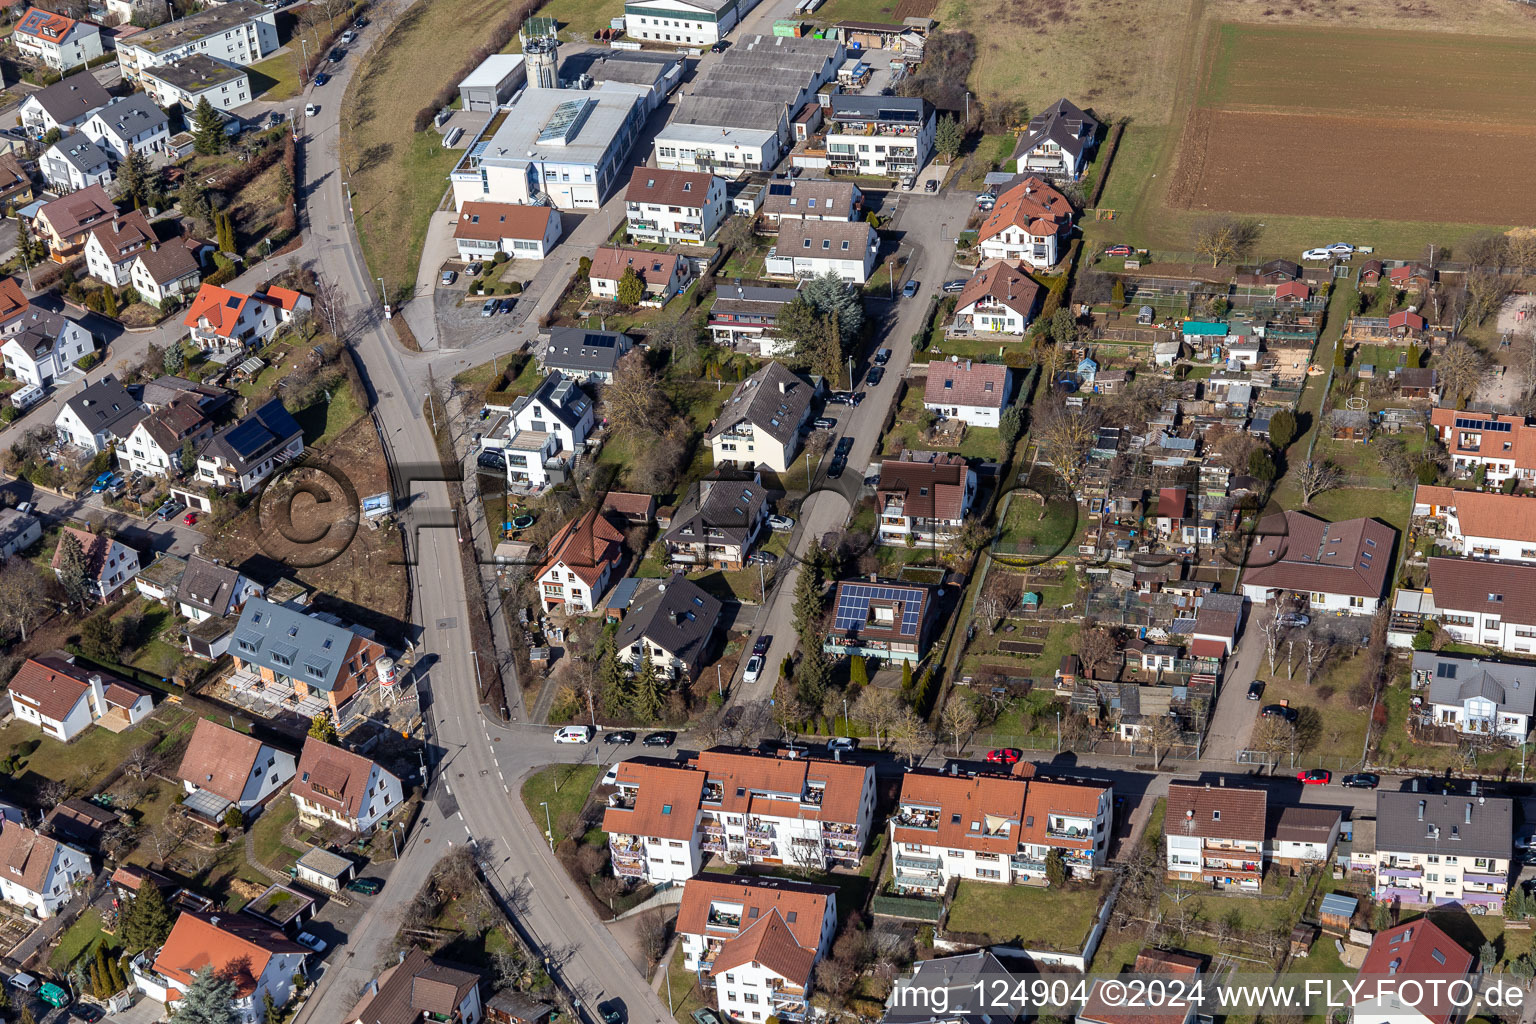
x=77 y=148
x=858 y=107
x=291 y=643
x=255 y=437
x=1467 y=826
x=752 y=299
x=960 y=979
x=633 y=67
x=675 y=615
x=127 y=118
x=721 y=509
x=519 y=1006
x=773 y=399
x=1454 y=680
x=562 y=396
x=13 y=526
x=42 y=331
x=106 y=407
x=73 y=97
x=165 y=389
x=207 y=585
x=196 y=72
x=584 y=351
x=1061 y=123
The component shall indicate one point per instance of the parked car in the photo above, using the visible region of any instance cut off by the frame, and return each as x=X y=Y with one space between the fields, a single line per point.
x=754 y=669
x=488 y=308
x=1284 y=711
x=619 y=737
x=1361 y=780
x=986 y=199
x=909 y=289
x=762 y=558
x=448 y=277
x=309 y=940
x=473 y=270
x=761 y=644
x=190 y=519
x=705 y=1015
x=824 y=423
x=1296 y=619
x=661 y=738
x=882 y=356
x=844 y=445
x=1314 y=777
x=931 y=185
x=780 y=524
x=87 y=1012
x=573 y=734
x=1341 y=249
x=1256 y=689
x=1118 y=250
x=1317 y=254
x=843 y=743
x=835 y=470
x=348 y=36
x=872 y=379
x=366 y=886
x=321 y=79
x=956 y=285
x=718 y=47
x=336 y=55
x=1004 y=755
x=506 y=305
x=311 y=109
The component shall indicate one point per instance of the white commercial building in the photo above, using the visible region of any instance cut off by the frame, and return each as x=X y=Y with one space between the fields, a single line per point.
x=685 y=22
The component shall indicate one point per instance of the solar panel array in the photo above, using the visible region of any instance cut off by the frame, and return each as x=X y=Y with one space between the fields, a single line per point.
x=854 y=600
x=1466 y=423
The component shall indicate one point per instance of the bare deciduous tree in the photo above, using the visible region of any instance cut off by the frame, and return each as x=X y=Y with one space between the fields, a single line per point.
x=1520 y=248
x=23 y=595
x=880 y=709
x=910 y=737
x=1273 y=735
x=1095 y=647
x=1461 y=368
x=1065 y=437
x=1161 y=732
x=653 y=933
x=959 y=718
x=1313 y=477
x=1222 y=239
x=330 y=308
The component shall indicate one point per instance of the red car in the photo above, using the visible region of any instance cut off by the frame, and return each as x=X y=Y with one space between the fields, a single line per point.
x=1314 y=777
x=1118 y=250
x=1004 y=755
x=189 y=518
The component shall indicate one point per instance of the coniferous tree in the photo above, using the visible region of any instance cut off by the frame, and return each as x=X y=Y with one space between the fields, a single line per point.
x=645 y=700
x=208 y=1000
x=146 y=920
x=207 y=129
x=71 y=570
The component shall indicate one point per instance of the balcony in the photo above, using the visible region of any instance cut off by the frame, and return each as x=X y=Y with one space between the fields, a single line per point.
x=624 y=798
x=918 y=819
x=916 y=882
x=757 y=848
x=711 y=828
x=713 y=845
x=1495 y=881
x=1221 y=846
x=1026 y=864
x=629 y=869
x=713 y=793
x=1402 y=873
x=722 y=919
x=626 y=845
x=838 y=829
x=918 y=863
x=757 y=830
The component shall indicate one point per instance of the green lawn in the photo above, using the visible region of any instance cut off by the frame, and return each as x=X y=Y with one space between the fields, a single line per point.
x=977 y=442
x=339 y=413
x=276 y=78
x=1055 y=918
x=577 y=19
x=683 y=989
x=564 y=787
x=1028 y=527
x=91 y=756
x=984 y=651
x=267 y=833
x=77 y=939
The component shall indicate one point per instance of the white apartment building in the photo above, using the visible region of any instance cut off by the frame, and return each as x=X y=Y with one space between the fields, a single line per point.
x=1215 y=835
x=240 y=32
x=1491 y=604
x=1000 y=300
x=189 y=80
x=756 y=941
x=133 y=125
x=1028 y=224
x=742 y=807
x=1435 y=850
x=74 y=163
x=974 y=393
x=995 y=828
x=58 y=41
x=337 y=786
x=112 y=247
x=674 y=206
x=761 y=423
x=582 y=561
x=1501 y=446
x=881 y=135
x=923 y=495
x=1480 y=524
x=810 y=248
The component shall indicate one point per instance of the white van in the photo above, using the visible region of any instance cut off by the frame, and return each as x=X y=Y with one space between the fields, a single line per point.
x=25 y=982
x=573 y=734
x=26 y=396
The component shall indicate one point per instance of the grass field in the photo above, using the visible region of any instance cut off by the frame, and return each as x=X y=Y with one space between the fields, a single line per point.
x=577 y=19
x=276 y=78
x=564 y=787
x=398 y=177
x=1056 y=919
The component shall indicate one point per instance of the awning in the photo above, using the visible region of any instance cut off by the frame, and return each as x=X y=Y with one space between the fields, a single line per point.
x=207 y=804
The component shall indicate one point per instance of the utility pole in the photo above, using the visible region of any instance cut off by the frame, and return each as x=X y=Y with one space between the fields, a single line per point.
x=549 y=832
x=433 y=409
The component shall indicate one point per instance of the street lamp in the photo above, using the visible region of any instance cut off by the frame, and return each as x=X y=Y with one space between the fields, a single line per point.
x=549 y=832
x=383 y=295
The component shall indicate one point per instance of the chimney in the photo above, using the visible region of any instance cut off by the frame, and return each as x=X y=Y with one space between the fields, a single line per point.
x=1207 y=785
x=783 y=387
x=874 y=577
x=117 y=224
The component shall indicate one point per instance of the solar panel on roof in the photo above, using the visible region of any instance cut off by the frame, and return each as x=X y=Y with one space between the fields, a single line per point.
x=780 y=190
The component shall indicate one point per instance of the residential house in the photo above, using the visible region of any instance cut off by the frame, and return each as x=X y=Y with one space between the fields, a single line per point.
x=974 y=393
x=879 y=135
x=719 y=520
x=157 y=442
x=1028 y=224
x=544 y=432
x=1436 y=850
x=663 y=275
x=63 y=105
x=522 y=232
x=1475 y=696
x=57 y=41
x=98 y=416
x=63 y=699
x=809 y=199
x=223 y=768
x=337 y=786
x=220 y=319
x=1304 y=836
x=1492 y=604
x=188 y=81
x=13 y=306
x=1057 y=142
x=1002 y=299
x=1217 y=622
x=761 y=423
x=81 y=823
x=167 y=270
x=15 y=182
x=584 y=555
x=74 y=163
x=44 y=347
x=132 y=125
x=243 y=455
x=210 y=589
x=994 y=828
x=756 y=941
x=881 y=619
x=923 y=496
x=239 y=32
x=65 y=222
x=739 y=805
x=112 y=247
x=1502 y=446
x=1419 y=950
x=110 y=565
x=18 y=532
x=951 y=990
x=1480 y=524
x=748 y=315
x=1216 y=835
x=671 y=622
x=1338 y=567
x=584 y=355
x=665 y=206
x=37 y=873
x=811 y=248
x=166 y=388
x=160 y=579
x=260 y=960
x=311 y=663
x=419 y=988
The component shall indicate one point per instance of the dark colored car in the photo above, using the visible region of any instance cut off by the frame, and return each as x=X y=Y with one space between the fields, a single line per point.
x=762 y=558
x=1314 y=777
x=86 y=1012
x=621 y=738
x=1361 y=780
x=824 y=423
x=336 y=55
x=844 y=445
x=322 y=78
x=836 y=469
x=762 y=644
x=931 y=185
x=1288 y=713
x=663 y=738
x=882 y=356
x=366 y=886
x=1256 y=689
x=506 y=305
x=718 y=47
x=957 y=285
x=872 y=378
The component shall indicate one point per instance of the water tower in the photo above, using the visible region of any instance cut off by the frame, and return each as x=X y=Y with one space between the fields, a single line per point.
x=541 y=53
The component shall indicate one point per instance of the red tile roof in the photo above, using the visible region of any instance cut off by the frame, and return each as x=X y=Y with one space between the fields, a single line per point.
x=1215 y=812
x=669 y=188
x=929 y=485
x=1421 y=950
x=839 y=785
x=654 y=268
x=95 y=545
x=982 y=812
x=12 y=302
x=1406 y=318
x=1483 y=513
x=26 y=856
x=980 y=385
x=1005 y=284
x=780 y=923
x=1297 y=552
x=586 y=546
x=215 y=309
x=1505 y=589
x=219 y=759
x=666 y=801
x=53 y=686
x=491 y=222
x=1208 y=649
x=332 y=777
x=1293 y=290
x=234 y=945
x=1029 y=201
x=1099 y=1010
x=1516 y=444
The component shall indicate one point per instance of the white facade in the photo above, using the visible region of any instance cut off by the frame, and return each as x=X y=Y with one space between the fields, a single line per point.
x=849 y=258
x=112 y=268
x=234 y=91
x=118 y=129
x=384 y=795
x=1317 y=600
x=1194 y=858
x=81 y=43
x=993 y=317
x=1478 y=715
x=1018 y=245
x=32 y=361
x=90 y=707
x=269 y=773
x=681 y=22
x=74 y=163
x=67 y=867
x=880 y=135
x=666 y=223
x=155 y=291
x=38 y=122
x=240 y=33
x=729 y=152
x=479 y=246
x=750 y=444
